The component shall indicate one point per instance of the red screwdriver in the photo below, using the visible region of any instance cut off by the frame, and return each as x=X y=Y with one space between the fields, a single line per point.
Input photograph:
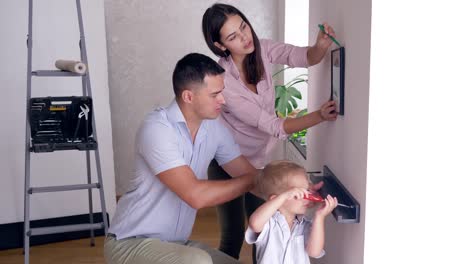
x=315 y=197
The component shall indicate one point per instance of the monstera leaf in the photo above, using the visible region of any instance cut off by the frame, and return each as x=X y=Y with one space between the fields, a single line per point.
x=286 y=96
x=286 y=104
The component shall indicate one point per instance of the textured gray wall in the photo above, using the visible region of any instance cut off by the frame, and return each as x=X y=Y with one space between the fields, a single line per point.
x=145 y=39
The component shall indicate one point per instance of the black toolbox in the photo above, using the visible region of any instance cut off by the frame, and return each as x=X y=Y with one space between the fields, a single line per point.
x=61 y=123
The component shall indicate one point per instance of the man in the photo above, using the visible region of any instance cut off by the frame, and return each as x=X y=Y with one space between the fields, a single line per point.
x=174 y=147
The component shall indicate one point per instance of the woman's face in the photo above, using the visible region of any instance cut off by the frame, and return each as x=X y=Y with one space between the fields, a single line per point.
x=236 y=36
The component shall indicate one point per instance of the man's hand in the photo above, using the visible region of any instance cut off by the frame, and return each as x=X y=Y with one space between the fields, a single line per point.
x=241 y=167
x=315 y=187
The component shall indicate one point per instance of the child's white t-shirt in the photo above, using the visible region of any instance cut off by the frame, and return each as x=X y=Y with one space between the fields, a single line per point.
x=278 y=244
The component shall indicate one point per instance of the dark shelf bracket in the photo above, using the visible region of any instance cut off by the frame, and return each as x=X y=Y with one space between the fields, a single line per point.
x=336 y=189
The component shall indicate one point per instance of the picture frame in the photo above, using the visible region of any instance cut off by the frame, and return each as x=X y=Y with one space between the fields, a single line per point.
x=337 y=93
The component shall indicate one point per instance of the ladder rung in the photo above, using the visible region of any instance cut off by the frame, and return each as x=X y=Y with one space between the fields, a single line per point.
x=63 y=188
x=52 y=73
x=62 y=229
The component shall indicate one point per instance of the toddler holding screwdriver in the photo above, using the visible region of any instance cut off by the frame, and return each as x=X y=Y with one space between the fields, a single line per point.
x=278 y=228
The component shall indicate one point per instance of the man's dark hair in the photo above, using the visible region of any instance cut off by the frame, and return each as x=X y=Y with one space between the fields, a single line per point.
x=192 y=69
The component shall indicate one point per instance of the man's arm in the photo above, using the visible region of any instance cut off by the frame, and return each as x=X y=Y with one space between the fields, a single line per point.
x=205 y=193
x=240 y=167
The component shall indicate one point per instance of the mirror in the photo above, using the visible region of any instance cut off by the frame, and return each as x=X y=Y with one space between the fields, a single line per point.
x=337 y=78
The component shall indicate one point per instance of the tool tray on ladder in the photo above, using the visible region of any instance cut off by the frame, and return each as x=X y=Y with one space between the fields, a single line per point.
x=61 y=123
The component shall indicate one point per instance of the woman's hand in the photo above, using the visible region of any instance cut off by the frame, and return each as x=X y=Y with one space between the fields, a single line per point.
x=316 y=53
x=328 y=111
x=323 y=40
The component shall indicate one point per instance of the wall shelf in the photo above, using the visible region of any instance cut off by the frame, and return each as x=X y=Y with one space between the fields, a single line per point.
x=335 y=188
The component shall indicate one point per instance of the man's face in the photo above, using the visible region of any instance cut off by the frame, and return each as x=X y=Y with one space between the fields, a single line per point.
x=208 y=99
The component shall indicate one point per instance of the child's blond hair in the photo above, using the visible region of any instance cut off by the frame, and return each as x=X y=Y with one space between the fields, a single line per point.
x=274 y=178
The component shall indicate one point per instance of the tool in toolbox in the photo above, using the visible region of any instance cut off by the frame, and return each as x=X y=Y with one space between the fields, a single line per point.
x=56 y=124
x=61 y=124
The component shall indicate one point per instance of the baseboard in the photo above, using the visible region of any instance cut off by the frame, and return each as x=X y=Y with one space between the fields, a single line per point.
x=12 y=234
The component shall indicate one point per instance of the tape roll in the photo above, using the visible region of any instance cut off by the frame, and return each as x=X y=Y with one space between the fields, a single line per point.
x=71 y=66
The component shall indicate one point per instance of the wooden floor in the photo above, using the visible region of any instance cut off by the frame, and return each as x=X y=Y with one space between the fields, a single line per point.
x=78 y=251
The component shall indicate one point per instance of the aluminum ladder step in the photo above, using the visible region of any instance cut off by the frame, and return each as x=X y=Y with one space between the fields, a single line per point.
x=65 y=228
x=55 y=73
x=62 y=188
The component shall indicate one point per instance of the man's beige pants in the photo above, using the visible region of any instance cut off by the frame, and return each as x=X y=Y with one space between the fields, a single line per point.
x=152 y=250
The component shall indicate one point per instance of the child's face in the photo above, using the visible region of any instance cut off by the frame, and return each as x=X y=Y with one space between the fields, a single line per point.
x=297 y=206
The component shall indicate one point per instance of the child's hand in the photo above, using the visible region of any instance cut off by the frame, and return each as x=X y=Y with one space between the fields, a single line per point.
x=295 y=193
x=328 y=205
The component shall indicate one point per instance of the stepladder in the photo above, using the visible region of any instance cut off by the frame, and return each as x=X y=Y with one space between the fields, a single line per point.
x=61 y=123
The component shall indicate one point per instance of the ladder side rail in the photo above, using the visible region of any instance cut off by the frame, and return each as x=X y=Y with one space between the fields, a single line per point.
x=82 y=45
x=84 y=58
x=27 y=159
x=90 y=196
x=86 y=87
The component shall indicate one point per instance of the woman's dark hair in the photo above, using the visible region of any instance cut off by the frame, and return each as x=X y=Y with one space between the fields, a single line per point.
x=213 y=20
x=192 y=69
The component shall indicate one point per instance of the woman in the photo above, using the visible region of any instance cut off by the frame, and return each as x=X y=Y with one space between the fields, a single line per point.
x=249 y=93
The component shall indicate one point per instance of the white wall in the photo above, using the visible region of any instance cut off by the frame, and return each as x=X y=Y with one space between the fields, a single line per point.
x=401 y=146
x=417 y=172
x=145 y=40
x=297 y=32
x=342 y=145
x=56 y=35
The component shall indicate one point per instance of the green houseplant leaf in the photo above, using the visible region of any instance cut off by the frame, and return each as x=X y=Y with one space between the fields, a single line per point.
x=286 y=102
x=302 y=113
x=286 y=96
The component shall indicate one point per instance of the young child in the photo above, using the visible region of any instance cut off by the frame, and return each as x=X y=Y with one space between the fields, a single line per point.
x=278 y=228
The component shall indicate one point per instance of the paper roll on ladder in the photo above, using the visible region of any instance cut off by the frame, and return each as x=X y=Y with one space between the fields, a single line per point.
x=71 y=66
